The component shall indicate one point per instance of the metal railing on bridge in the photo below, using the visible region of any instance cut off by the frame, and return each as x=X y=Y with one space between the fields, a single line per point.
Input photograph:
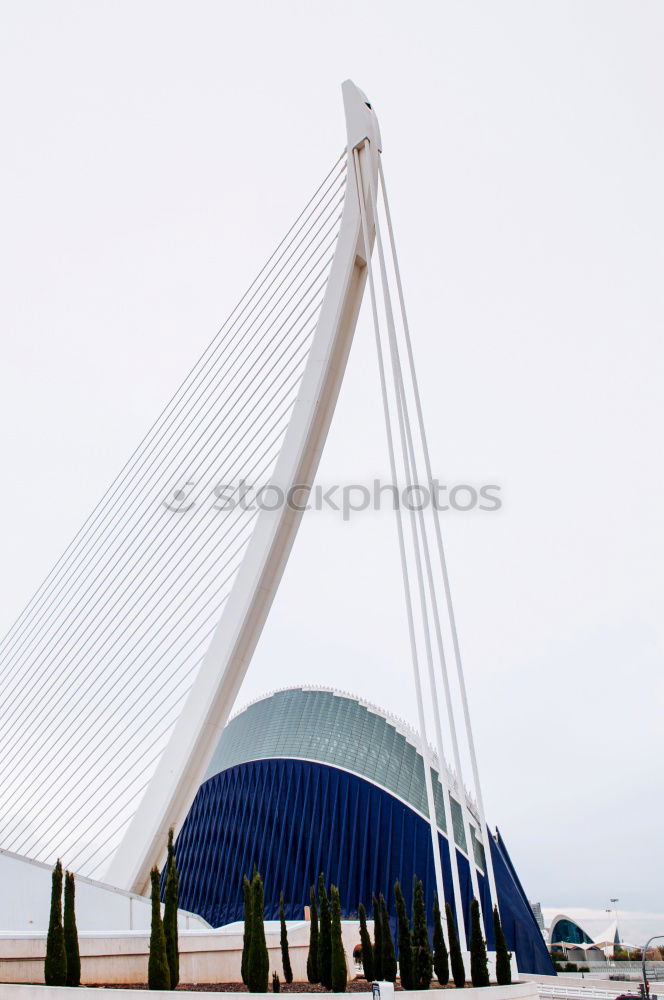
x=561 y=992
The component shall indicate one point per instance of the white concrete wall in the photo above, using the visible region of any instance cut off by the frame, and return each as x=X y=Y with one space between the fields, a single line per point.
x=519 y=991
x=206 y=956
x=26 y=896
x=211 y=956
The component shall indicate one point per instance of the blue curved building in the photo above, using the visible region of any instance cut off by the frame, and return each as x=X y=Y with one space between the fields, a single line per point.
x=564 y=930
x=308 y=780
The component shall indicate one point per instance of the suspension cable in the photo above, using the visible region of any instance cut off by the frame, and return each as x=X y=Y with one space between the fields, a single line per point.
x=446 y=586
x=433 y=825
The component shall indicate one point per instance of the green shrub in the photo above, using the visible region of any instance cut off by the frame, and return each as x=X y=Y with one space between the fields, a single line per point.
x=339 y=970
x=367 y=947
x=285 y=956
x=324 y=936
x=258 y=964
x=422 y=964
x=159 y=977
x=441 y=965
x=479 y=968
x=571 y=967
x=456 y=958
x=378 y=940
x=71 y=933
x=171 y=914
x=503 y=964
x=55 y=963
x=404 y=940
x=389 y=957
x=246 y=937
x=312 y=958
x=276 y=985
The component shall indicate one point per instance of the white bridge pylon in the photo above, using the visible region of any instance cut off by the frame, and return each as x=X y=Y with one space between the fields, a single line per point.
x=123 y=669
x=182 y=767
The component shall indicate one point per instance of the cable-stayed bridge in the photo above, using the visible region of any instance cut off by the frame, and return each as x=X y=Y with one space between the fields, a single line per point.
x=122 y=670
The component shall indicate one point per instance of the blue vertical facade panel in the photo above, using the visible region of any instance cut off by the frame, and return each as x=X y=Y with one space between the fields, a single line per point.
x=521 y=929
x=296 y=818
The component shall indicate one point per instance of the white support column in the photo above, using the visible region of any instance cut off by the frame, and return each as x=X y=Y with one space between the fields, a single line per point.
x=171 y=791
x=449 y=605
x=433 y=825
x=417 y=522
x=429 y=570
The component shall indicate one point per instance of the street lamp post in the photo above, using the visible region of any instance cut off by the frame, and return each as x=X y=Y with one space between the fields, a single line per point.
x=655 y=937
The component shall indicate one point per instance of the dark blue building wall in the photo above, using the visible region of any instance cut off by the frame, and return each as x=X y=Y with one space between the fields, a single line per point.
x=294 y=819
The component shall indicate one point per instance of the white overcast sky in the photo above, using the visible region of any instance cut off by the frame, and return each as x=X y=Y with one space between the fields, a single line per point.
x=153 y=155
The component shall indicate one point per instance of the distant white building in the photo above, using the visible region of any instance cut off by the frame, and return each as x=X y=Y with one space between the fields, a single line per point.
x=564 y=933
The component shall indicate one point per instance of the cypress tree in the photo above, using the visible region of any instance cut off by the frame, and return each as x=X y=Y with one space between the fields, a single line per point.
x=503 y=963
x=404 y=939
x=312 y=958
x=441 y=963
x=456 y=958
x=367 y=947
x=479 y=969
x=389 y=958
x=339 y=970
x=285 y=957
x=246 y=937
x=325 y=937
x=422 y=964
x=55 y=963
x=258 y=964
x=71 y=933
x=171 y=914
x=159 y=977
x=276 y=985
x=378 y=940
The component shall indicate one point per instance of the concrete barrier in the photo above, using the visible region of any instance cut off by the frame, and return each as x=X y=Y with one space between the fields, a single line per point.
x=519 y=991
x=206 y=956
